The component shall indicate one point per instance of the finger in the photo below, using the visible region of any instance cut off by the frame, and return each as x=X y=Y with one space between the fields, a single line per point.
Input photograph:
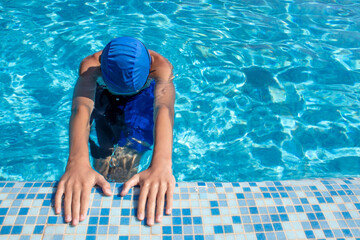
x=129 y=184
x=169 y=198
x=160 y=203
x=151 y=202
x=105 y=185
x=75 y=205
x=144 y=190
x=67 y=204
x=84 y=204
x=58 y=198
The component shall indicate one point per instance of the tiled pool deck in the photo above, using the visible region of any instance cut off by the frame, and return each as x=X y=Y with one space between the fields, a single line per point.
x=306 y=209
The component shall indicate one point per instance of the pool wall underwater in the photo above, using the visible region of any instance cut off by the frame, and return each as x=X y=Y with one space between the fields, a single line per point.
x=294 y=209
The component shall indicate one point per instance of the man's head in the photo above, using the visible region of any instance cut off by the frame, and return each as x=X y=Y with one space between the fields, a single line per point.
x=125 y=65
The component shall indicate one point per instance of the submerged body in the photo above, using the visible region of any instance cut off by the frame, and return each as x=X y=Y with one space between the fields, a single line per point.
x=157 y=182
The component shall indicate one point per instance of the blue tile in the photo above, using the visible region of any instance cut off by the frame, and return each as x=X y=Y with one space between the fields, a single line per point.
x=277 y=226
x=316 y=208
x=38 y=229
x=23 y=211
x=240 y=196
x=188 y=237
x=199 y=237
x=346 y=233
x=320 y=216
x=177 y=230
x=187 y=220
x=299 y=208
x=260 y=236
x=236 y=219
x=104 y=221
x=166 y=230
x=228 y=229
x=215 y=211
x=315 y=225
x=321 y=200
x=105 y=212
x=328 y=233
x=3 y=211
x=52 y=220
x=284 y=217
x=218 y=229
x=309 y=234
x=124 y=221
x=268 y=227
x=329 y=200
x=258 y=228
x=89 y=237
x=9 y=185
x=91 y=230
x=5 y=230
x=16 y=229
x=218 y=185
x=311 y=216
x=176 y=220
x=93 y=220
x=275 y=218
x=21 y=196
x=197 y=220
x=346 y=215
x=214 y=204
x=186 y=212
x=246 y=189
x=253 y=210
x=201 y=184
x=176 y=212
x=281 y=209
x=125 y=212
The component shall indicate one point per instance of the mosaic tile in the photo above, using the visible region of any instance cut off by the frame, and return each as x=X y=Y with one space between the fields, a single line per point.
x=304 y=209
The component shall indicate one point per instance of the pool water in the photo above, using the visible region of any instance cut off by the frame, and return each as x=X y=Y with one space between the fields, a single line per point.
x=266 y=90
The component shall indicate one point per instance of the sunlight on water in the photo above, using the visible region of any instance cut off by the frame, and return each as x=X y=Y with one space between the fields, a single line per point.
x=266 y=90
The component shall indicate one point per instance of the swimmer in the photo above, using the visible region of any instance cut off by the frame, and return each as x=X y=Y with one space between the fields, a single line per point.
x=128 y=92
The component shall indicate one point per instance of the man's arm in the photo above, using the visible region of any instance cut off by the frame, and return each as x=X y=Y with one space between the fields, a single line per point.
x=158 y=181
x=79 y=177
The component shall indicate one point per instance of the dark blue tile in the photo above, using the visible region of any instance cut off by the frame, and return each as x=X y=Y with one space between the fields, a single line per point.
x=30 y=196
x=329 y=200
x=236 y=219
x=93 y=220
x=346 y=215
x=253 y=210
x=277 y=226
x=252 y=184
x=268 y=227
x=284 y=195
x=235 y=184
x=199 y=237
x=104 y=221
x=215 y=211
x=197 y=220
x=333 y=193
x=258 y=228
x=176 y=220
x=166 y=230
x=264 y=189
x=275 y=195
x=321 y=200
x=105 y=212
x=247 y=189
x=3 y=211
x=240 y=196
x=346 y=232
x=284 y=217
x=218 y=185
x=328 y=233
x=21 y=196
x=228 y=229
x=52 y=220
x=177 y=230
x=316 y=208
x=187 y=220
x=281 y=209
x=299 y=208
x=125 y=212
x=315 y=225
x=309 y=234
x=38 y=229
x=16 y=229
x=304 y=201
x=311 y=216
x=9 y=185
x=5 y=230
x=188 y=237
x=201 y=184
x=90 y=237
x=260 y=236
x=46 y=203
x=218 y=229
x=341 y=193
x=214 y=204
x=91 y=230
x=27 y=185
x=23 y=211
x=266 y=195
x=186 y=212
x=1 y=220
x=320 y=216
x=176 y=212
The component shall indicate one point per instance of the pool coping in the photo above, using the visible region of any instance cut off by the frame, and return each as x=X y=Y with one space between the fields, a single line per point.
x=289 y=209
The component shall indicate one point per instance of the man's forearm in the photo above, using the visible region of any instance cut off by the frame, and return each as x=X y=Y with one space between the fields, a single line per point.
x=163 y=131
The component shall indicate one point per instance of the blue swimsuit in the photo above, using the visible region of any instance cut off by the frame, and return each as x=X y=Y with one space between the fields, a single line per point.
x=128 y=119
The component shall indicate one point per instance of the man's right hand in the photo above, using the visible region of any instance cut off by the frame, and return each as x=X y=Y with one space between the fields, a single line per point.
x=76 y=185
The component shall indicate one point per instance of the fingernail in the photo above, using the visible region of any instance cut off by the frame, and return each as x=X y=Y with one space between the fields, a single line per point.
x=75 y=221
x=67 y=218
x=82 y=217
x=159 y=218
x=168 y=211
x=150 y=222
x=141 y=216
x=57 y=210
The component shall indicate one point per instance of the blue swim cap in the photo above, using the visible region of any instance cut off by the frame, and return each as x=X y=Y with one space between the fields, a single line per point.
x=125 y=65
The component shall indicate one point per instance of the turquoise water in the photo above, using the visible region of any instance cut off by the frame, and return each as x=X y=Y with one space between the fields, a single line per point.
x=265 y=89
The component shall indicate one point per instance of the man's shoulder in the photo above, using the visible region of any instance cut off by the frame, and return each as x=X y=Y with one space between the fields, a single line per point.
x=90 y=63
